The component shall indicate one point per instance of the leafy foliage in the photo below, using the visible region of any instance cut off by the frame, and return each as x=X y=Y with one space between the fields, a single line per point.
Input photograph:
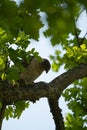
x=77 y=102
x=21 y=23
x=16 y=110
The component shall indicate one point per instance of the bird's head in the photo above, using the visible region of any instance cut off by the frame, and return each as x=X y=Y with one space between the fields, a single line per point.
x=46 y=65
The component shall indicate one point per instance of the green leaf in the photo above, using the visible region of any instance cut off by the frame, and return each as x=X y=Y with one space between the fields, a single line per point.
x=9 y=112
x=19 y=107
x=22 y=40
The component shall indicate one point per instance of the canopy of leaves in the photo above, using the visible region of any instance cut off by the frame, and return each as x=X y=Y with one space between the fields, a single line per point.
x=19 y=23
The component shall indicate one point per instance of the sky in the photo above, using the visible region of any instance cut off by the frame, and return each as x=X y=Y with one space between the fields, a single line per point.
x=38 y=116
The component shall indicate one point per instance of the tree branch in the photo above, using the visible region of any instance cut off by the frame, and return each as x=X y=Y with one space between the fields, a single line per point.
x=64 y=80
x=35 y=91
x=56 y=112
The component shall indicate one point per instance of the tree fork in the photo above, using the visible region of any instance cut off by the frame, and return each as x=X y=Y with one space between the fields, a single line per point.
x=35 y=91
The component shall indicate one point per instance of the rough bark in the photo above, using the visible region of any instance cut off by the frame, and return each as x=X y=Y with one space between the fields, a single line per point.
x=35 y=91
x=56 y=112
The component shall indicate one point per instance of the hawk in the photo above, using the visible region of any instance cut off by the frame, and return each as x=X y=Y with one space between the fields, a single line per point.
x=34 y=69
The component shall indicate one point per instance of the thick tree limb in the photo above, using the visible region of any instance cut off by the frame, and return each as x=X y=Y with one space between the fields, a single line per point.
x=35 y=91
x=64 y=80
x=56 y=112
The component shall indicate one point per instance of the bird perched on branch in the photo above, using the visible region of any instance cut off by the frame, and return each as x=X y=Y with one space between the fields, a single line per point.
x=34 y=69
